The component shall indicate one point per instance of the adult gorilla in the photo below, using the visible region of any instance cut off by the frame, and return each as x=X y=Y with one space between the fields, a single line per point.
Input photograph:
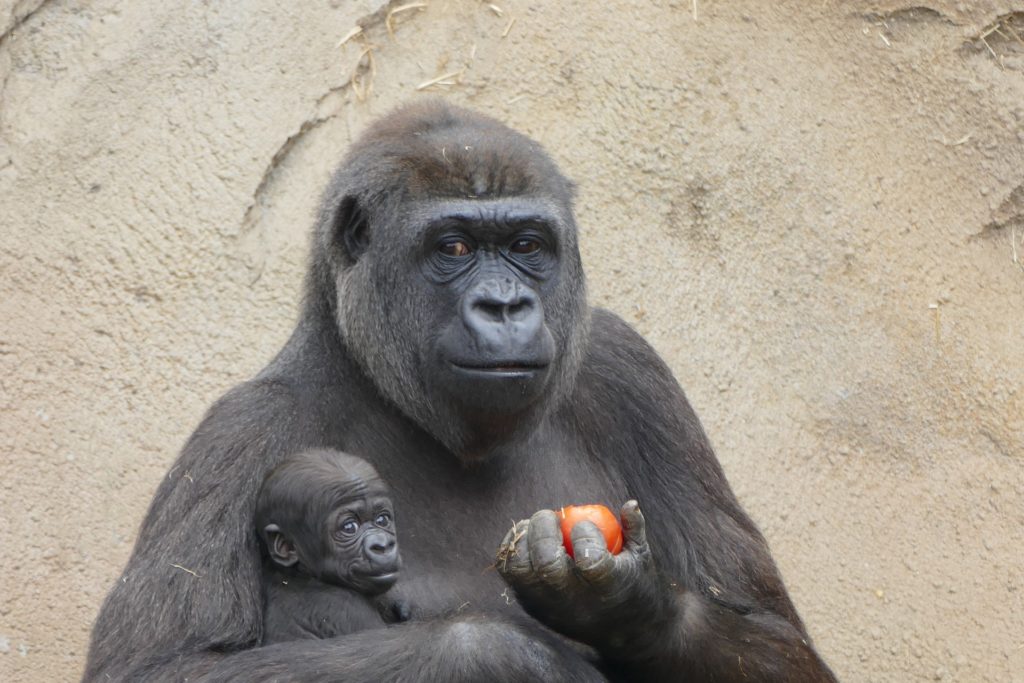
x=445 y=337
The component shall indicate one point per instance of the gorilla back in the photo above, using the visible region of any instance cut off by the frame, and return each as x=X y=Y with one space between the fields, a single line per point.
x=445 y=337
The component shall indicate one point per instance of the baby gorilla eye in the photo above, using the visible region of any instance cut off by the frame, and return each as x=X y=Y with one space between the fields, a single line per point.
x=525 y=245
x=383 y=519
x=455 y=248
x=349 y=526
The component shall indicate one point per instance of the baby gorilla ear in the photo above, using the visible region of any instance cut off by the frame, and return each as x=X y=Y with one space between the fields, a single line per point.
x=282 y=551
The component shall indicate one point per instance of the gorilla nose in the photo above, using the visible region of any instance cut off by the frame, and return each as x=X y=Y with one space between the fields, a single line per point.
x=381 y=548
x=502 y=315
x=497 y=302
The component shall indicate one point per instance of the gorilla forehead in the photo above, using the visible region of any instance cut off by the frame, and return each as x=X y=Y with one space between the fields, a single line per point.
x=434 y=149
x=331 y=475
x=504 y=214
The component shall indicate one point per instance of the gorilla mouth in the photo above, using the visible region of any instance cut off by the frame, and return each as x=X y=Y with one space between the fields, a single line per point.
x=385 y=577
x=503 y=368
x=379 y=581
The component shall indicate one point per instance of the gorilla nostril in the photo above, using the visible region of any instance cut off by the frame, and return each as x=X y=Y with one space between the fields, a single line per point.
x=382 y=547
x=492 y=311
x=520 y=309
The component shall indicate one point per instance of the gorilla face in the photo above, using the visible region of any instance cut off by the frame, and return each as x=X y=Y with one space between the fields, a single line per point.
x=359 y=550
x=454 y=266
x=489 y=268
x=327 y=514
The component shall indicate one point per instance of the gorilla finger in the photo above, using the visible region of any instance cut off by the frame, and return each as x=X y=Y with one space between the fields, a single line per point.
x=514 y=535
x=547 y=551
x=634 y=527
x=590 y=550
x=513 y=557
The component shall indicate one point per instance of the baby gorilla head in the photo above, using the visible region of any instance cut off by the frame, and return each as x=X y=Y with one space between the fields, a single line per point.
x=328 y=514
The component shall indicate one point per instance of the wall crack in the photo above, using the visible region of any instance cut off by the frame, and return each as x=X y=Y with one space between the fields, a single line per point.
x=252 y=212
x=374 y=20
x=20 y=21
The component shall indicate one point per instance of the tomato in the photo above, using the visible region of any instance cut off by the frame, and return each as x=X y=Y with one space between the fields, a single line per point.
x=603 y=519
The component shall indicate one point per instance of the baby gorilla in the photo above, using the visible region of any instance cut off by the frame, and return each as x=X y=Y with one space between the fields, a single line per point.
x=327 y=525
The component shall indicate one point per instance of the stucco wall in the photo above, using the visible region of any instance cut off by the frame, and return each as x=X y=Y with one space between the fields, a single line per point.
x=811 y=209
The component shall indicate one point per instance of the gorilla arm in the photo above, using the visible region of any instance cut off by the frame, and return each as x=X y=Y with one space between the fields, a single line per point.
x=466 y=649
x=646 y=626
x=192 y=583
x=702 y=598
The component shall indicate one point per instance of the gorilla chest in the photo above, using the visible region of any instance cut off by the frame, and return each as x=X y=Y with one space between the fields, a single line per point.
x=451 y=518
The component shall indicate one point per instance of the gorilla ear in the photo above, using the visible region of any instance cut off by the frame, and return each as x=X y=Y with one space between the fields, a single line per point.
x=282 y=551
x=350 y=229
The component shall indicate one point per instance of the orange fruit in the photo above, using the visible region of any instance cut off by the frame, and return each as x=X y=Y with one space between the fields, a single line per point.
x=603 y=519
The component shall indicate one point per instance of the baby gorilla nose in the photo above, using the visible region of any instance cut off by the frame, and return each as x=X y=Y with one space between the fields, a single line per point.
x=381 y=550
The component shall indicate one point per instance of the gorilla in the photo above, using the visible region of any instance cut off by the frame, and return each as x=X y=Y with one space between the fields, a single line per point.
x=328 y=532
x=445 y=336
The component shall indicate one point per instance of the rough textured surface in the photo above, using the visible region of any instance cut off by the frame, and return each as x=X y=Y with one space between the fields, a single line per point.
x=814 y=210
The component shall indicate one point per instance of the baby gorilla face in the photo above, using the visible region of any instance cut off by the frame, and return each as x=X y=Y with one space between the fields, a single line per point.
x=328 y=514
x=360 y=550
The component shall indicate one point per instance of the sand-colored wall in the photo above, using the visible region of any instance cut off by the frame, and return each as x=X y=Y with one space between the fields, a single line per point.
x=811 y=208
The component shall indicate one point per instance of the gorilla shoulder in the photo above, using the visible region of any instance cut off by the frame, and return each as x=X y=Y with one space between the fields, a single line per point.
x=618 y=359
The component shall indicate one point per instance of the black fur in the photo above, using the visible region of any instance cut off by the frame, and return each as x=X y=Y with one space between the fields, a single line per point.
x=363 y=372
x=297 y=606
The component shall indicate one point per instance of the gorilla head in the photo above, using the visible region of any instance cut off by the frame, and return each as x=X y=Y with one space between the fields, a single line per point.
x=327 y=514
x=447 y=253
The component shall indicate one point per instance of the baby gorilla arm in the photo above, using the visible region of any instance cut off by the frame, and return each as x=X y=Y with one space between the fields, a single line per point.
x=298 y=607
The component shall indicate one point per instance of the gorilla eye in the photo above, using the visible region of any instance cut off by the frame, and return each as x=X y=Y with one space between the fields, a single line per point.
x=455 y=248
x=383 y=519
x=349 y=526
x=525 y=245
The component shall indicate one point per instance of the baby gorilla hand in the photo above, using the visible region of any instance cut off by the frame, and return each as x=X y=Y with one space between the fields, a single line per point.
x=607 y=601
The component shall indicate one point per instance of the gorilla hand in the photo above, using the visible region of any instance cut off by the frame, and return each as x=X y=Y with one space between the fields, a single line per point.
x=612 y=602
